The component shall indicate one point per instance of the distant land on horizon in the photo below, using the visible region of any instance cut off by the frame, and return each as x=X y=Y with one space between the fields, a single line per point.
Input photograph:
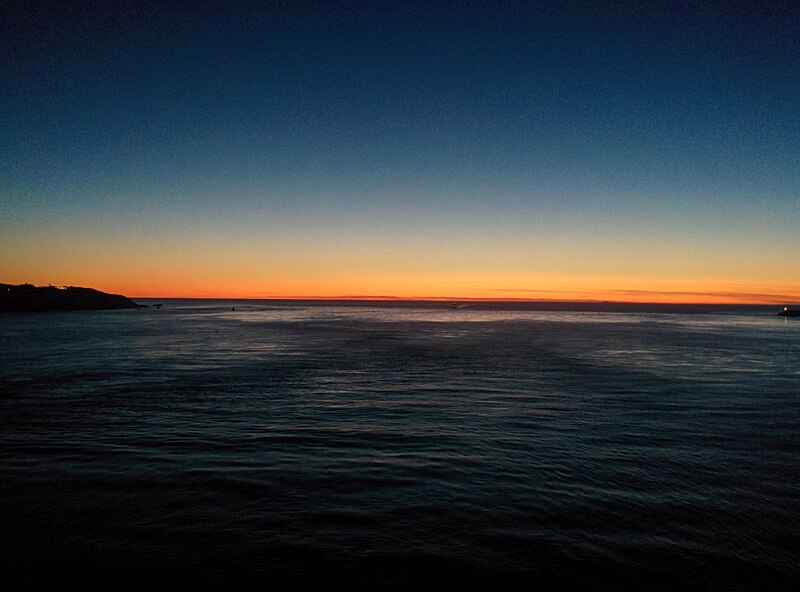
x=451 y=299
x=732 y=296
x=30 y=298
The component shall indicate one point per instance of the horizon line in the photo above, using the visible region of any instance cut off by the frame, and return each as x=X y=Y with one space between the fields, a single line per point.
x=613 y=296
x=379 y=298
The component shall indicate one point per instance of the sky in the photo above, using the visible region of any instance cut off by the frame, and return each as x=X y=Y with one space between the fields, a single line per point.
x=630 y=151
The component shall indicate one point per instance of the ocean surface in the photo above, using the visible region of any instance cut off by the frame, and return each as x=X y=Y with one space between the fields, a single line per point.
x=598 y=446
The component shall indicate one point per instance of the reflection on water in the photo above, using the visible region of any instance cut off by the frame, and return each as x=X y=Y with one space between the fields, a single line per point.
x=610 y=450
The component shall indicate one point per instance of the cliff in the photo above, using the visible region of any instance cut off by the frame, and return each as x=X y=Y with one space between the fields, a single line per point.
x=28 y=298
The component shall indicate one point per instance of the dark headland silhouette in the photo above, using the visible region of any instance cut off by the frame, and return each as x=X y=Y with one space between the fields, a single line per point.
x=29 y=298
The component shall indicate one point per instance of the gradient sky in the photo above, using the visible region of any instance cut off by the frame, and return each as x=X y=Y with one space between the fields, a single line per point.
x=615 y=151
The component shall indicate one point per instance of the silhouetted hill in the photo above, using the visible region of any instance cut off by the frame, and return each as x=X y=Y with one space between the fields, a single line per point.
x=29 y=298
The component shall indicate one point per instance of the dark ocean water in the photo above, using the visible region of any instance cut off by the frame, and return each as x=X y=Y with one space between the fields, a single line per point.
x=644 y=448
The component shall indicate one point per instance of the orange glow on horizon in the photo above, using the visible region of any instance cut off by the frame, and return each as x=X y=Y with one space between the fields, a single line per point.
x=657 y=292
x=381 y=265
x=227 y=275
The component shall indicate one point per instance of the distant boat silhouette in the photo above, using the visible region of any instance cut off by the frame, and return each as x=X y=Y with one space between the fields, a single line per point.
x=457 y=305
x=789 y=312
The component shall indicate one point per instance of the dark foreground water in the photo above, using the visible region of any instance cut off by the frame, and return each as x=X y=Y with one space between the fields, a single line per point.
x=412 y=444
